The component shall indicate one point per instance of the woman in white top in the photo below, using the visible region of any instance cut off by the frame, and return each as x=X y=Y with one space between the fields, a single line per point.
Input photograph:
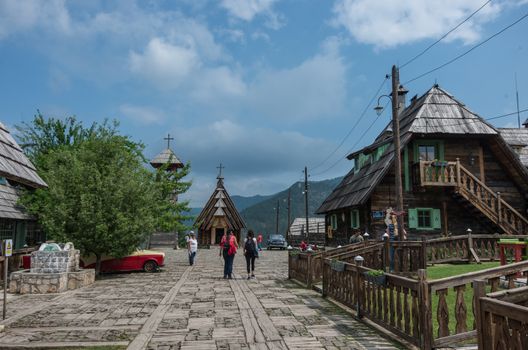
x=251 y=253
x=192 y=248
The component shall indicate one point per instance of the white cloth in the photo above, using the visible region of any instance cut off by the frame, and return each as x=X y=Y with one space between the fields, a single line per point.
x=193 y=245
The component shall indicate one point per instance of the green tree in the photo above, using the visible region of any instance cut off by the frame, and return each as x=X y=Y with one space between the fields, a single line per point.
x=100 y=197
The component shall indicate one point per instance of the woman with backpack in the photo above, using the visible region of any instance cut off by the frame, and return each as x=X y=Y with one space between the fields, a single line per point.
x=228 y=248
x=251 y=253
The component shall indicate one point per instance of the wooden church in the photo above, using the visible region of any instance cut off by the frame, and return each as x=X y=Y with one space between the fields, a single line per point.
x=218 y=216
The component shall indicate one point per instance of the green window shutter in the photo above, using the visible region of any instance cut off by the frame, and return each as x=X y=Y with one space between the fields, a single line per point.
x=437 y=222
x=354 y=218
x=333 y=220
x=440 y=148
x=413 y=218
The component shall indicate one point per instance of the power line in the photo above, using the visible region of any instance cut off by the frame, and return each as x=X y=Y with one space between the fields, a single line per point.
x=355 y=124
x=466 y=52
x=354 y=145
x=445 y=35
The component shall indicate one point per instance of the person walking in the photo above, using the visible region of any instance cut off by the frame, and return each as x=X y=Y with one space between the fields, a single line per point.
x=251 y=253
x=192 y=248
x=259 y=241
x=229 y=250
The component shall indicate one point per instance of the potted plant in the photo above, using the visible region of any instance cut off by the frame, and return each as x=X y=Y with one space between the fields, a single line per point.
x=337 y=265
x=376 y=276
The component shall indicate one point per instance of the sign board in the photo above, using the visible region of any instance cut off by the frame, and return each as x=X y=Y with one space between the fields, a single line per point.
x=378 y=214
x=8 y=247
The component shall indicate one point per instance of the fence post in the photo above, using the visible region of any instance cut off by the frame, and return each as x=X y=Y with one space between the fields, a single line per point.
x=479 y=291
x=426 y=321
x=423 y=263
x=309 y=271
x=325 y=278
x=359 y=262
x=386 y=254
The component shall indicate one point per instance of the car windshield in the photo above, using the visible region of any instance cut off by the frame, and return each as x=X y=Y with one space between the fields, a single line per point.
x=277 y=237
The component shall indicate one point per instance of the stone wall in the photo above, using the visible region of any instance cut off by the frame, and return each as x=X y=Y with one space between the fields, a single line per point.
x=55 y=261
x=26 y=282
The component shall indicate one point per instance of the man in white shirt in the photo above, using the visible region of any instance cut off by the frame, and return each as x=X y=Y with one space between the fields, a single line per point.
x=192 y=248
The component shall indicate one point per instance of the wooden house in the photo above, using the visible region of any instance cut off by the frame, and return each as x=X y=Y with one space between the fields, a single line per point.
x=517 y=139
x=16 y=173
x=218 y=216
x=458 y=172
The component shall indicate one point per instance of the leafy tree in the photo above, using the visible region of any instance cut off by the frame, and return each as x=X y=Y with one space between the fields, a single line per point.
x=100 y=195
x=170 y=185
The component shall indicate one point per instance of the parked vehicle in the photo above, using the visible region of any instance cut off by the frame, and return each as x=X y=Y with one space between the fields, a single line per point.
x=146 y=260
x=277 y=241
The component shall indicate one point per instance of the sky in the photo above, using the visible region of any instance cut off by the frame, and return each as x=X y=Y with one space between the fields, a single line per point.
x=265 y=87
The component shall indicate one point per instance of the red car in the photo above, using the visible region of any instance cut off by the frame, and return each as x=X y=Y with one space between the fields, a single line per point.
x=146 y=260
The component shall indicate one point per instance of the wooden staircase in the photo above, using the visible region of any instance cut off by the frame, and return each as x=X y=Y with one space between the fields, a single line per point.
x=468 y=186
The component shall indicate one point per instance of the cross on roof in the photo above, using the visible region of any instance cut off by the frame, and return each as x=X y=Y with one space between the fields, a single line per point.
x=220 y=172
x=168 y=138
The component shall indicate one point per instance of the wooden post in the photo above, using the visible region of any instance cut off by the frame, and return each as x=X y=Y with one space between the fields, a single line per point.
x=479 y=291
x=325 y=278
x=359 y=263
x=423 y=253
x=481 y=165
x=458 y=172
x=386 y=254
x=309 y=272
x=426 y=321
x=397 y=151
x=444 y=209
x=498 y=208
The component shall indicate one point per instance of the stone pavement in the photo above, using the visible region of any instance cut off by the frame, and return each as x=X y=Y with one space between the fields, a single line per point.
x=185 y=307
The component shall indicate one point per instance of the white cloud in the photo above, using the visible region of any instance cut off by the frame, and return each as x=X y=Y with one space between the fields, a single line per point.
x=390 y=23
x=316 y=88
x=19 y=16
x=247 y=9
x=257 y=159
x=143 y=114
x=163 y=63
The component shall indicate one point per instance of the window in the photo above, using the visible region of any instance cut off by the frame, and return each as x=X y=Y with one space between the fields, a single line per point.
x=424 y=218
x=426 y=152
x=354 y=218
x=333 y=221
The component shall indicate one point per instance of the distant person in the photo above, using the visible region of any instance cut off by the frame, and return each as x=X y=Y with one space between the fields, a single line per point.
x=251 y=253
x=229 y=250
x=259 y=241
x=356 y=238
x=192 y=248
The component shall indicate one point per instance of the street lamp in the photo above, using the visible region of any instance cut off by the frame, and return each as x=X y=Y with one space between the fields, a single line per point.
x=397 y=91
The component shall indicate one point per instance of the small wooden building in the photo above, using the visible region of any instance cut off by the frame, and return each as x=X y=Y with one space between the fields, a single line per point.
x=16 y=173
x=218 y=216
x=458 y=172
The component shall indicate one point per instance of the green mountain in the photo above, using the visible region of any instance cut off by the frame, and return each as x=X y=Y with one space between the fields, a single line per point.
x=242 y=202
x=262 y=217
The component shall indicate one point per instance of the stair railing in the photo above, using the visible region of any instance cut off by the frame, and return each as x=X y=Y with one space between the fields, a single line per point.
x=436 y=173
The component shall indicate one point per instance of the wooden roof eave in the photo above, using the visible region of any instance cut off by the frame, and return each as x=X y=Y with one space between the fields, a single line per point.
x=513 y=159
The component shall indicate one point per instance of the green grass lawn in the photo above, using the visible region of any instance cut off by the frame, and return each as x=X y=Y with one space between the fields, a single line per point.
x=448 y=270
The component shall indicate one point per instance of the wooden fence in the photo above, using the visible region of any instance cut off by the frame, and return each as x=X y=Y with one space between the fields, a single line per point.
x=404 y=305
x=393 y=304
x=502 y=318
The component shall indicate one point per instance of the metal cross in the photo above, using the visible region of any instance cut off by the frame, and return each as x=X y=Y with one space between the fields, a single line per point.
x=168 y=138
x=220 y=167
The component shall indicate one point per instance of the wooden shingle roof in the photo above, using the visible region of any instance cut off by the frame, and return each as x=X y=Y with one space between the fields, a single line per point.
x=220 y=205
x=164 y=157
x=518 y=140
x=9 y=209
x=14 y=164
x=437 y=113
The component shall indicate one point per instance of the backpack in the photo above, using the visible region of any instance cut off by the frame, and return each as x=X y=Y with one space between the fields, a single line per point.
x=249 y=247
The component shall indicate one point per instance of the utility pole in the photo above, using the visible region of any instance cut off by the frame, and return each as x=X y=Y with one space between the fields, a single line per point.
x=289 y=214
x=277 y=222
x=397 y=153
x=306 y=202
x=517 y=98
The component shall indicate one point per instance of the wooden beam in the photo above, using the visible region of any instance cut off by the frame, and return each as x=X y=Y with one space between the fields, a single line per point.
x=481 y=165
x=444 y=210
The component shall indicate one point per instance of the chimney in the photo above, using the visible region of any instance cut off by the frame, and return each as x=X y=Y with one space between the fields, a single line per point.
x=402 y=93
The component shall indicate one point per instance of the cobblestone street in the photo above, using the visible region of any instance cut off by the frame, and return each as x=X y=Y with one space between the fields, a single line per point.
x=185 y=307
